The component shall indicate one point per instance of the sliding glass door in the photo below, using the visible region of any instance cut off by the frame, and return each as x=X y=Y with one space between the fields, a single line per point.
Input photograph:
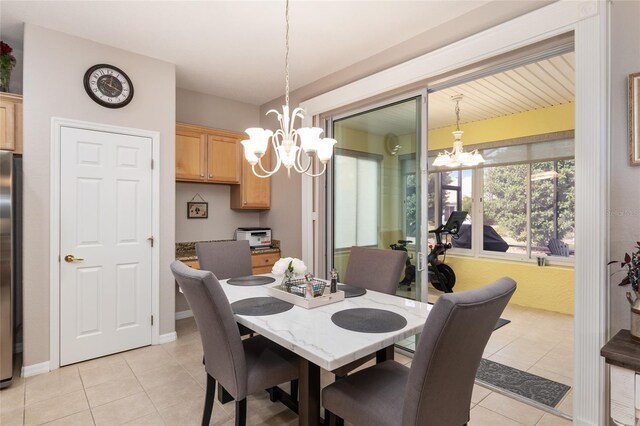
x=375 y=186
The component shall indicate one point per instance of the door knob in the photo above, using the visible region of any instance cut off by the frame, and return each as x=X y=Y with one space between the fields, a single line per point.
x=71 y=258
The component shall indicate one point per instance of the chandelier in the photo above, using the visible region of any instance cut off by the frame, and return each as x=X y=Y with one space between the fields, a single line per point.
x=285 y=140
x=457 y=157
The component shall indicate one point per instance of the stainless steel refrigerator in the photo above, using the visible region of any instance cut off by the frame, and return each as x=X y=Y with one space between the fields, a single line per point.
x=10 y=263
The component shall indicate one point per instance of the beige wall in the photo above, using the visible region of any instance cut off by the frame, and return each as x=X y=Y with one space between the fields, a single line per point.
x=625 y=188
x=213 y=111
x=222 y=221
x=54 y=65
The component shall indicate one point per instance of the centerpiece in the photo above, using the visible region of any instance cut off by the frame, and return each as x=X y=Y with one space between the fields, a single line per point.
x=289 y=268
x=632 y=264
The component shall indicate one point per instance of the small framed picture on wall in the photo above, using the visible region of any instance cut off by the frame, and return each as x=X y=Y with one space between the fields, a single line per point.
x=634 y=119
x=197 y=210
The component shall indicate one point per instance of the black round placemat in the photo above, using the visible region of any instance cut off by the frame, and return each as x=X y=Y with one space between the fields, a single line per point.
x=351 y=291
x=259 y=306
x=368 y=320
x=251 y=280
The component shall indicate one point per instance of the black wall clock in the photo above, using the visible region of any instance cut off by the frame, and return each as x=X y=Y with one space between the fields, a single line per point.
x=108 y=86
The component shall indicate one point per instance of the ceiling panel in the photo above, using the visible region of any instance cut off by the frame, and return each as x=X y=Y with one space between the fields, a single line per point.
x=539 y=85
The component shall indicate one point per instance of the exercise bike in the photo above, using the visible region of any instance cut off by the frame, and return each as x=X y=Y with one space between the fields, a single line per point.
x=440 y=275
x=409 y=269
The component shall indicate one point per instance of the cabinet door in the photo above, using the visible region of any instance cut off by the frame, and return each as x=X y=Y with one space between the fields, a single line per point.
x=256 y=192
x=7 y=125
x=223 y=159
x=191 y=157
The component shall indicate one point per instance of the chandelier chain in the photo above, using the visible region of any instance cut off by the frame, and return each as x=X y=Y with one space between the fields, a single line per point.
x=458 y=116
x=286 y=56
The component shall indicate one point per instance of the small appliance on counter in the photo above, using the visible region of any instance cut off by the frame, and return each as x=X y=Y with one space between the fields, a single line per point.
x=257 y=237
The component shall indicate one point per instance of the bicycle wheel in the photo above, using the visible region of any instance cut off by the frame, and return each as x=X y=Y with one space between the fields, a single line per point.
x=445 y=278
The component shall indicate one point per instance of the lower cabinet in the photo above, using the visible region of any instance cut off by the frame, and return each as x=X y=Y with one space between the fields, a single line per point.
x=261 y=263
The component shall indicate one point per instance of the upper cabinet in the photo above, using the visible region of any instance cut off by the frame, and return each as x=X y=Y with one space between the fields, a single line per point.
x=253 y=193
x=207 y=155
x=11 y=122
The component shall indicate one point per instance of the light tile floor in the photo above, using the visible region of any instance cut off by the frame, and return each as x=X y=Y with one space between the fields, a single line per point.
x=159 y=385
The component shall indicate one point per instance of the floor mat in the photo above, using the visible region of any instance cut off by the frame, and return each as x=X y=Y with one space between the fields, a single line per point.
x=520 y=382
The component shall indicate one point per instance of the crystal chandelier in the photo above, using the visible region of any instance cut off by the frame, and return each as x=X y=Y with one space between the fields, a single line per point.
x=285 y=140
x=457 y=157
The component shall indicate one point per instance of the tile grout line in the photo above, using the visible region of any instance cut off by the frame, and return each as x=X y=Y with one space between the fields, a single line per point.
x=144 y=390
x=84 y=389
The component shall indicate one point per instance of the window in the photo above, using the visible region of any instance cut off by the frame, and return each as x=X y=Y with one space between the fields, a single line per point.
x=356 y=211
x=409 y=205
x=448 y=192
x=527 y=195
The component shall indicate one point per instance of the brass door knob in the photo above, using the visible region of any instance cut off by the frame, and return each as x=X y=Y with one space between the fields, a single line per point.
x=71 y=258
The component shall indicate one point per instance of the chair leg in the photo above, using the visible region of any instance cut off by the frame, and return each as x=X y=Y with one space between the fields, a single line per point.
x=241 y=412
x=272 y=394
x=208 y=400
x=223 y=395
x=331 y=419
x=294 y=390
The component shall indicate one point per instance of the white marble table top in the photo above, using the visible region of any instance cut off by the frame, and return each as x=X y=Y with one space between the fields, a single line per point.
x=311 y=334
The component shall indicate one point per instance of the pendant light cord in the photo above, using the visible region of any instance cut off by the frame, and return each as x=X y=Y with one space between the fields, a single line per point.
x=286 y=56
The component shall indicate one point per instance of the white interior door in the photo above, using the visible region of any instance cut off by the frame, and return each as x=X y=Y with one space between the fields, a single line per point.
x=105 y=224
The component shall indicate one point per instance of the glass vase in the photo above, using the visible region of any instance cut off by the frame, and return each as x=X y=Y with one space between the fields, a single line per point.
x=5 y=76
x=286 y=280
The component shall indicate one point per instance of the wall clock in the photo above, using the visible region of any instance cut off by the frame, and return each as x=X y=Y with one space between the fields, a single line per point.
x=108 y=86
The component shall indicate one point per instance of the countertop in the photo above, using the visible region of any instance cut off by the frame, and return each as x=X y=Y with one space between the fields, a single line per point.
x=622 y=351
x=187 y=251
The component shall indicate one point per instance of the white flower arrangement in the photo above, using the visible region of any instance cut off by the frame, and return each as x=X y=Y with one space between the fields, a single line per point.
x=289 y=264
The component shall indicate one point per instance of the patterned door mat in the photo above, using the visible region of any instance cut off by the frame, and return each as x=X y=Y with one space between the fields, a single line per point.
x=520 y=382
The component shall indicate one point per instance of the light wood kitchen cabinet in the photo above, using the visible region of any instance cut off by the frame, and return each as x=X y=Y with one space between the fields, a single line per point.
x=253 y=193
x=207 y=155
x=192 y=264
x=11 y=122
x=263 y=263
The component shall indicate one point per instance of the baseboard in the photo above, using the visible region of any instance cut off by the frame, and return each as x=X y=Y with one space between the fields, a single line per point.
x=35 y=369
x=166 y=338
x=183 y=314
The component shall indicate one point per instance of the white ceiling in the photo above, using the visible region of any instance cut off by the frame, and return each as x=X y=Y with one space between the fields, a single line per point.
x=539 y=85
x=235 y=49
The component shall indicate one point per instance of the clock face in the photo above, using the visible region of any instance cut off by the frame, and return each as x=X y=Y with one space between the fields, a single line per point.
x=109 y=86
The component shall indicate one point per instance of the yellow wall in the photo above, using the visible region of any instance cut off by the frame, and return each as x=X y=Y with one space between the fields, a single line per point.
x=536 y=122
x=549 y=287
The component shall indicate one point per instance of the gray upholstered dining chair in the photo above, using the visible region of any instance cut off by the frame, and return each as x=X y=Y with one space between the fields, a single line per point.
x=372 y=269
x=375 y=269
x=226 y=259
x=242 y=366
x=436 y=390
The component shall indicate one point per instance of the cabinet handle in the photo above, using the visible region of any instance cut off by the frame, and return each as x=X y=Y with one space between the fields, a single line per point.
x=201 y=174
x=210 y=175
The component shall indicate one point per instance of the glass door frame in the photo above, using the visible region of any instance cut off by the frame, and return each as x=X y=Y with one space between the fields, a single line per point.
x=421 y=97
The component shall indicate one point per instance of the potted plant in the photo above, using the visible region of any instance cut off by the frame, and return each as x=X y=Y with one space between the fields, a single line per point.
x=7 y=62
x=632 y=264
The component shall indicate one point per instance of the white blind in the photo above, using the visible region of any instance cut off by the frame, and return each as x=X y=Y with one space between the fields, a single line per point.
x=356 y=201
x=525 y=153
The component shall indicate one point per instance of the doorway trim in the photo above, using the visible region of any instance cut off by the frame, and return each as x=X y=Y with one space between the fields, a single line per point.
x=54 y=226
x=589 y=21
